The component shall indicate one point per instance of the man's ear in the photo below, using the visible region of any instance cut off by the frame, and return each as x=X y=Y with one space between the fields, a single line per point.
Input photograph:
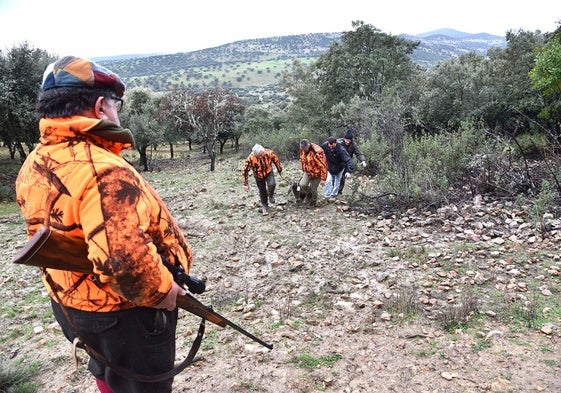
x=99 y=108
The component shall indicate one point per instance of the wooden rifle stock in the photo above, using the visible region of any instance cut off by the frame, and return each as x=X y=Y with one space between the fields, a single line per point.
x=52 y=250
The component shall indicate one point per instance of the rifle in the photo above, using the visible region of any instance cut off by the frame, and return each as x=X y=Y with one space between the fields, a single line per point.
x=48 y=249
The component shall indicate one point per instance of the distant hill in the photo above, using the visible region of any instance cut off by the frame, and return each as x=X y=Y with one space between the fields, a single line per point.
x=441 y=44
x=252 y=68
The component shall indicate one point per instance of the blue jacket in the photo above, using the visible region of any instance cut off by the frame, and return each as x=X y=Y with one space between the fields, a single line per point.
x=337 y=159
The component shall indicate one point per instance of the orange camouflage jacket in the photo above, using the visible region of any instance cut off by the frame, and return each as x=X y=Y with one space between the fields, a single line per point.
x=313 y=162
x=261 y=166
x=76 y=182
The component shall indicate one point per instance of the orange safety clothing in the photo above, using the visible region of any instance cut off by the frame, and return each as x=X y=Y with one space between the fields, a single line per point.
x=313 y=162
x=261 y=166
x=76 y=182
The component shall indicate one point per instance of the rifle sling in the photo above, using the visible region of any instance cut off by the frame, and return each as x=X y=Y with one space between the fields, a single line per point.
x=126 y=373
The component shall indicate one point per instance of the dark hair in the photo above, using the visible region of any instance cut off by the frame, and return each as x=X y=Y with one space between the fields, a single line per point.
x=68 y=101
x=304 y=143
x=331 y=140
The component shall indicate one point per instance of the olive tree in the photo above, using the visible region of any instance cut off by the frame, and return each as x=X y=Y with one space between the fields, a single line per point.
x=21 y=72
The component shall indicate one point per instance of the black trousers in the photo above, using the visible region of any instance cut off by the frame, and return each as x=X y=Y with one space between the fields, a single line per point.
x=266 y=188
x=141 y=340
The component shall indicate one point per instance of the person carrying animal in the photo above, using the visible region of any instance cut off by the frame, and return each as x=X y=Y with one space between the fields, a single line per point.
x=76 y=182
x=261 y=161
x=314 y=166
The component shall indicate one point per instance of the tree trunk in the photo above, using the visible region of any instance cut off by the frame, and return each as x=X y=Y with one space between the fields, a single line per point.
x=237 y=145
x=171 y=150
x=222 y=143
x=212 y=160
x=209 y=146
x=21 y=151
x=143 y=157
x=12 y=150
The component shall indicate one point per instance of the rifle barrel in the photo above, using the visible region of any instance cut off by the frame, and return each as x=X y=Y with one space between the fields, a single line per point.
x=194 y=306
x=248 y=334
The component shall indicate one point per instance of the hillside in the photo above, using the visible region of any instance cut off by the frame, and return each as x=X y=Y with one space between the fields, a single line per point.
x=252 y=68
x=463 y=299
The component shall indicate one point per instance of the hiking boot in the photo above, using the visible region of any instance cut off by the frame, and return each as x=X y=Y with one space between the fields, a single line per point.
x=265 y=210
x=271 y=194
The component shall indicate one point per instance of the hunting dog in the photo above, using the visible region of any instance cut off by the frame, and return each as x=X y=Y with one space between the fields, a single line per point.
x=295 y=190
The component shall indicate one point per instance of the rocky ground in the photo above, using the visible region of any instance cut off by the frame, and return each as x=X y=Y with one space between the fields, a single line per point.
x=464 y=298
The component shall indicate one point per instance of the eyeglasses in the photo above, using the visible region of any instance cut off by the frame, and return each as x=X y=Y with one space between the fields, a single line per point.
x=118 y=103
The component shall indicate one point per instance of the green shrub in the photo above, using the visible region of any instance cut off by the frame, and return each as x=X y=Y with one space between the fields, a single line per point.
x=542 y=204
x=7 y=193
x=286 y=143
x=424 y=167
x=531 y=145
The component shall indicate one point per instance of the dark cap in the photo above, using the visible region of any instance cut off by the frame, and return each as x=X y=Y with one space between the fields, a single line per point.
x=72 y=71
x=349 y=134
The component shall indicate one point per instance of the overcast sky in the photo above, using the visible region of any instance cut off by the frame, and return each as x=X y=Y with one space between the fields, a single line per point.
x=114 y=27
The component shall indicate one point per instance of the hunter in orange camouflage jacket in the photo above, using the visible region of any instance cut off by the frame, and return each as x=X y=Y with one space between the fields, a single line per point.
x=313 y=162
x=261 y=165
x=76 y=182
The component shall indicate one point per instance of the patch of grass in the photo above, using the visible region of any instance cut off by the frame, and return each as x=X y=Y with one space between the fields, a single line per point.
x=277 y=325
x=60 y=360
x=9 y=311
x=8 y=208
x=526 y=315
x=463 y=247
x=457 y=316
x=217 y=207
x=17 y=377
x=530 y=313
x=309 y=362
x=249 y=386
x=480 y=345
x=209 y=341
x=433 y=350
x=404 y=301
x=414 y=253
x=552 y=362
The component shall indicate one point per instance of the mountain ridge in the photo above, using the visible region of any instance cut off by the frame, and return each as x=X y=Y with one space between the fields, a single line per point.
x=252 y=68
x=444 y=32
